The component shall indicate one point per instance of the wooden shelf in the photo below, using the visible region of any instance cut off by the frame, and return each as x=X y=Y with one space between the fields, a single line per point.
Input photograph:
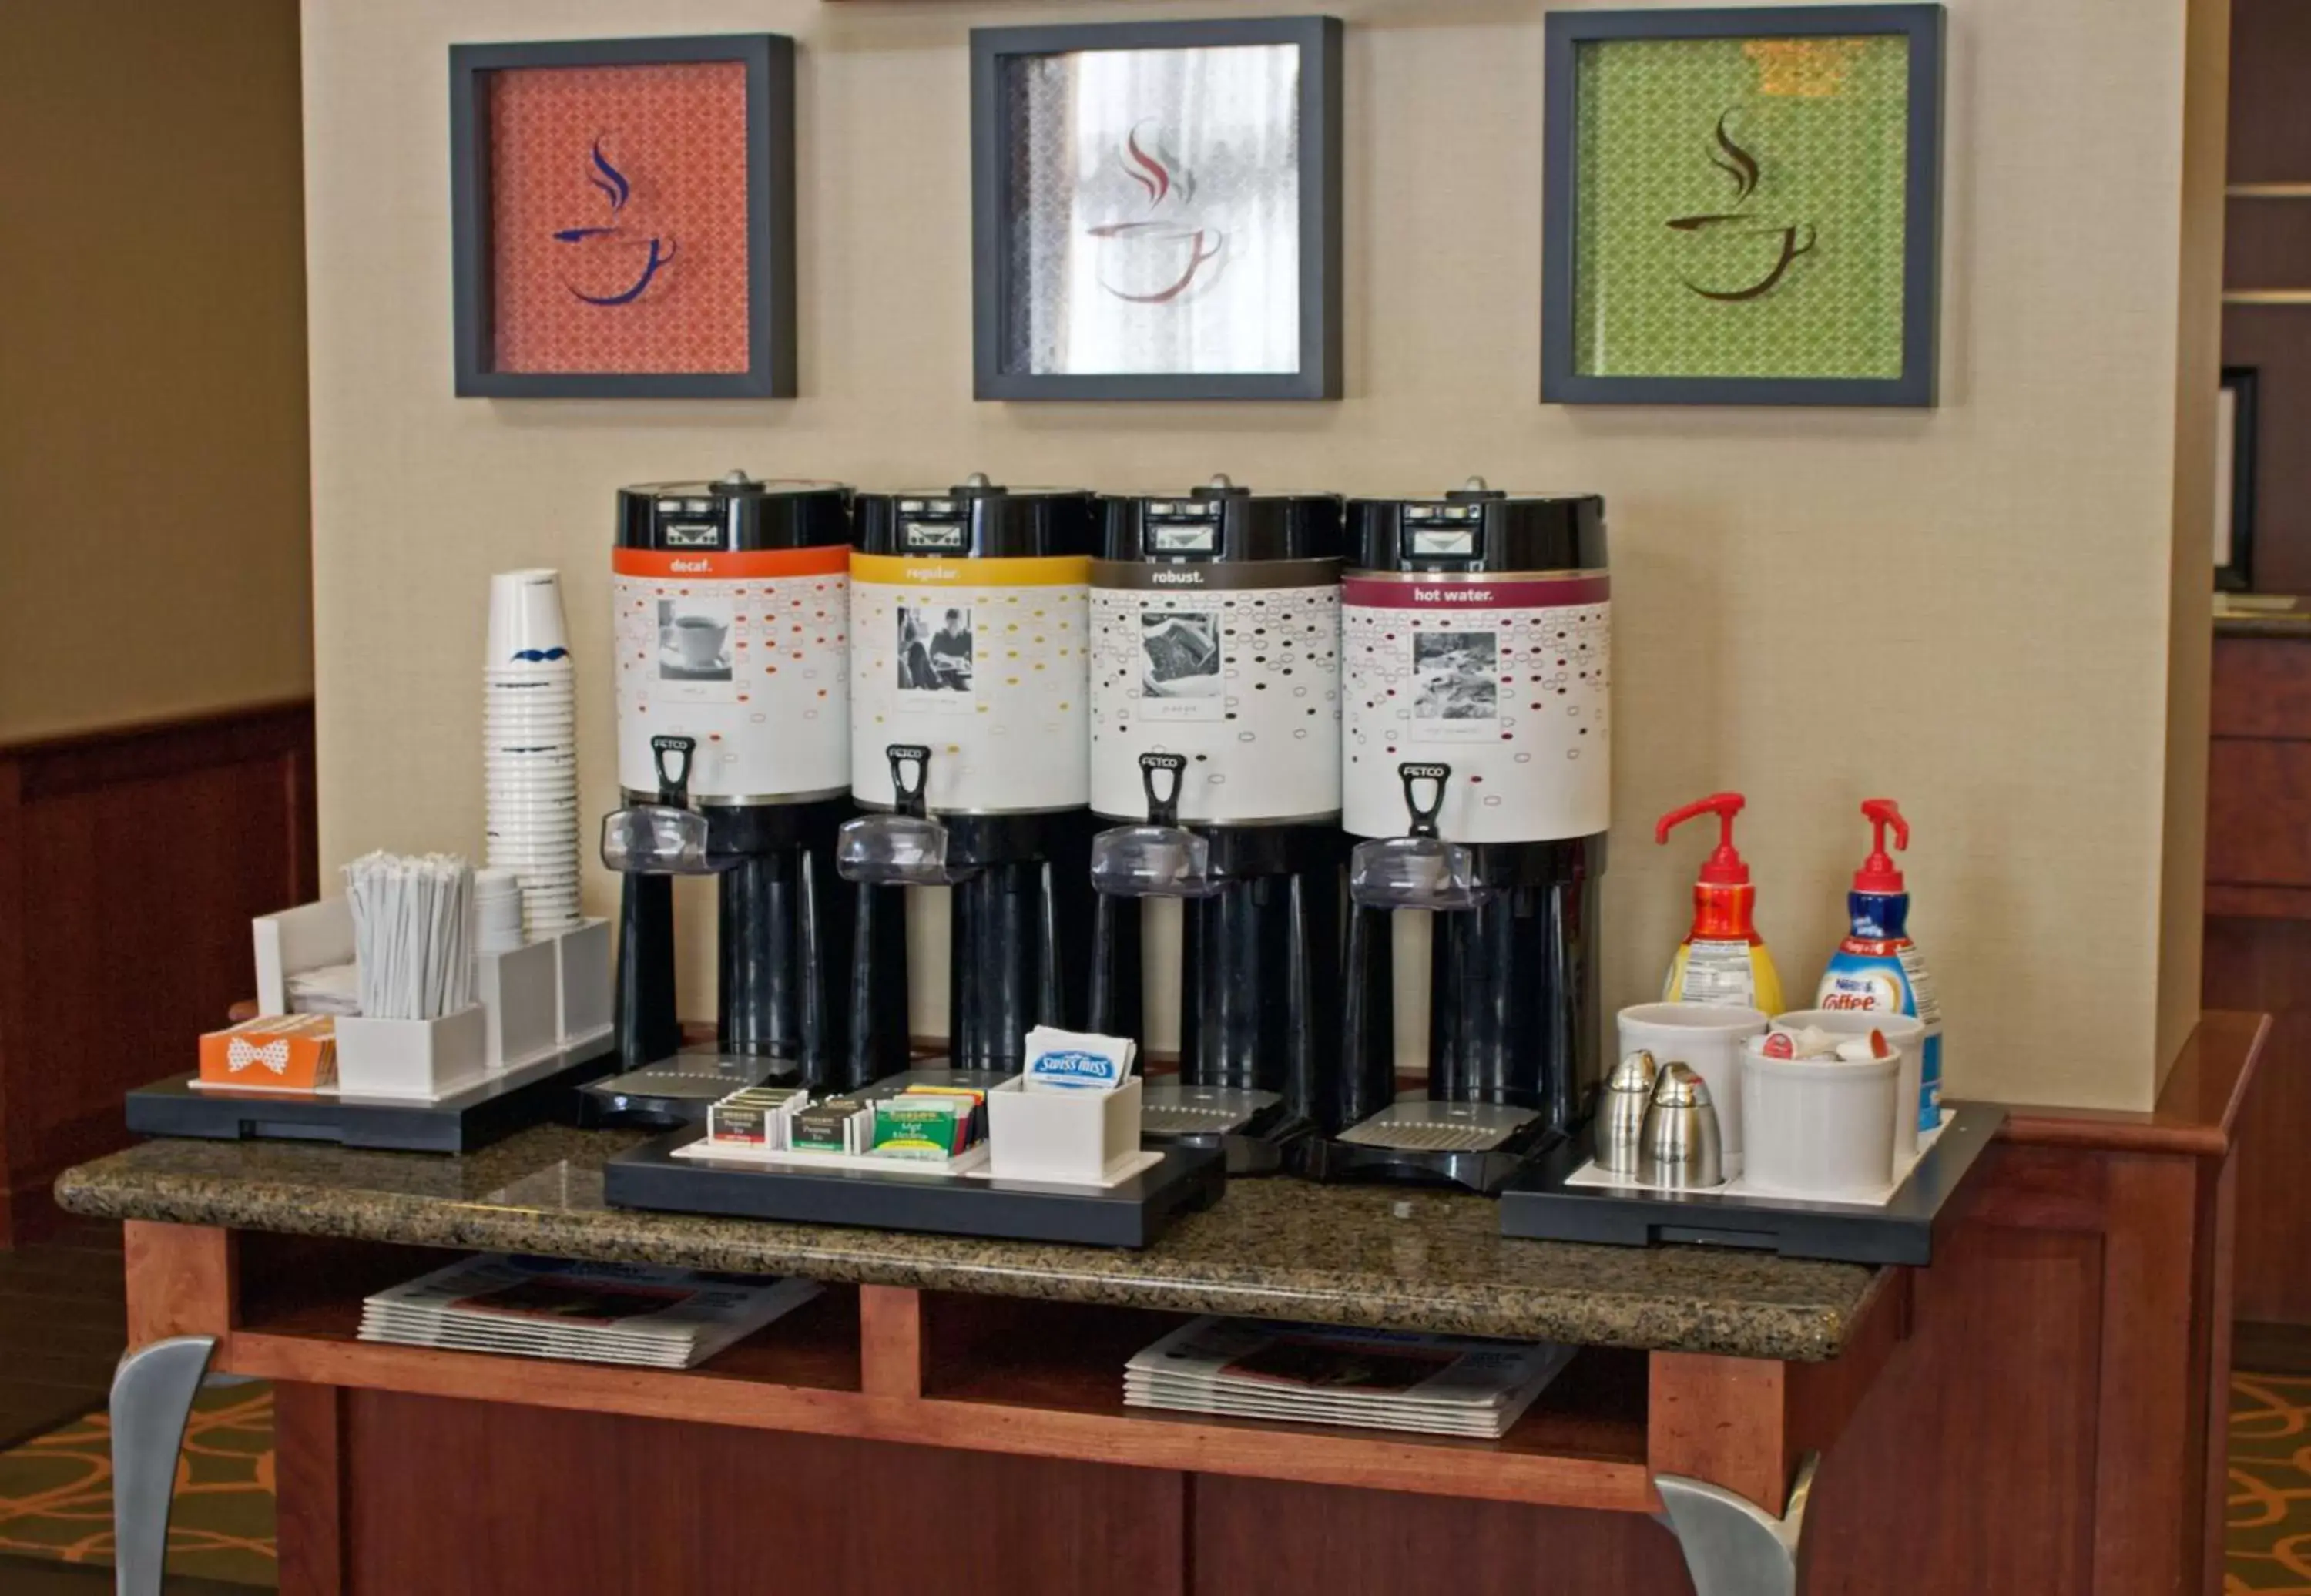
x=987 y=1374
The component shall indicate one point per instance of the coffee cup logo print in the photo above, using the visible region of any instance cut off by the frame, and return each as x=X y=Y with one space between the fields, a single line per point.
x=1168 y=253
x=618 y=260
x=1750 y=253
x=694 y=638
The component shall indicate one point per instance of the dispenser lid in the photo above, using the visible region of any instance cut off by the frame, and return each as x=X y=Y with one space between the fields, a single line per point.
x=1724 y=867
x=1878 y=875
x=1477 y=528
x=1220 y=522
x=977 y=518
x=733 y=513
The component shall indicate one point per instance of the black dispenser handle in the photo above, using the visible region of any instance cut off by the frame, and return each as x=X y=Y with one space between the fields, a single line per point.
x=1424 y=815
x=1367 y=1021
x=674 y=756
x=648 y=1027
x=1162 y=799
x=908 y=795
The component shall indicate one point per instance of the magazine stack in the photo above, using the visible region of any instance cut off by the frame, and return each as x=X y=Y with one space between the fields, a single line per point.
x=1327 y=1374
x=594 y=1313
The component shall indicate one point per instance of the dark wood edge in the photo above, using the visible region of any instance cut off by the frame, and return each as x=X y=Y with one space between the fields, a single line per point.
x=100 y=738
x=2197 y=1109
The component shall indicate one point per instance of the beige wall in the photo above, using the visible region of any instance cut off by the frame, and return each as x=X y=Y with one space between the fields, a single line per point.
x=1969 y=608
x=153 y=519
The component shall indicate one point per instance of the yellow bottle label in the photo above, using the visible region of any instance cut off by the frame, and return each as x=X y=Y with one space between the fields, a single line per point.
x=1731 y=974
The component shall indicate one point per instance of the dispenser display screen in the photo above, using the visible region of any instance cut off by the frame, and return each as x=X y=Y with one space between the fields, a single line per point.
x=694 y=638
x=1456 y=685
x=1182 y=540
x=935 y=537
x=1441 y=542
x=937 y=651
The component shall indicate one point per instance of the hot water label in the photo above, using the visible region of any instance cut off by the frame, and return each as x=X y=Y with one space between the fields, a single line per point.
x=746 y=653
x=1234 y=667
x=1506 y=679
x=984 y=662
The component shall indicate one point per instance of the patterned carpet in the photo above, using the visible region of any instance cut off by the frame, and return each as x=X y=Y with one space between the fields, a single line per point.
x=2267 y=1550
x=55 y=1492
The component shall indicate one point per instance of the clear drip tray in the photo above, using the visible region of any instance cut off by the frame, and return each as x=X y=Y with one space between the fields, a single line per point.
x=1425 y=1127
x=1166 y=1107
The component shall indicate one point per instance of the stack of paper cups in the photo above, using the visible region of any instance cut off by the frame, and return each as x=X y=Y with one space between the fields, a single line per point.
x=529 y=730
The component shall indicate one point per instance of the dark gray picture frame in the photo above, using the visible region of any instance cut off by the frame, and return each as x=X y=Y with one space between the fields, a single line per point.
x=769 y=374
x=1318 y=373
x=1567 y=31
x=2238 y=576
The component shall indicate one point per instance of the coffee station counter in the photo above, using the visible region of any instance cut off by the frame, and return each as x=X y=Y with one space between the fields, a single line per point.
x=1385 y=1257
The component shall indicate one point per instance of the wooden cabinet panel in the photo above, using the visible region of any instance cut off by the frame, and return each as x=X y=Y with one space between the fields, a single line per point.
x=2262 y=688
x=1281 y=1539
x=2259 y=813
x=2266 y=965
x=130 y=863
x=460 y=1498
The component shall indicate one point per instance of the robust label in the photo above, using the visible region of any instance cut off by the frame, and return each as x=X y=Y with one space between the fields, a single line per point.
x=985 y=663
x=745 y=654
x=1506 y=679
x=1241 y=682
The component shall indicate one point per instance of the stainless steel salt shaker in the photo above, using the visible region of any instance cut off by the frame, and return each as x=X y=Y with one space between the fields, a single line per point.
x=1682 y=1147
x=1621 y=1116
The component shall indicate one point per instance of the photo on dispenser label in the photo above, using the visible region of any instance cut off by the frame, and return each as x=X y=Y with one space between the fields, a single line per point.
x=1180 y=653
x=1456 y=683
x=693 y=640
x=935 y=648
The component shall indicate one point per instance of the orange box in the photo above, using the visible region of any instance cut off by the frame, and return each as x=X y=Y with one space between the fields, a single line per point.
x=294 y=1052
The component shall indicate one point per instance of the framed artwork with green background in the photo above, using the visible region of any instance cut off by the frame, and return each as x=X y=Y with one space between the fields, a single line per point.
x=1742 y=206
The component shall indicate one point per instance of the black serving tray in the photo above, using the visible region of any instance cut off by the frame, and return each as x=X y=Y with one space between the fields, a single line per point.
x=1541 y=1206
x=458 y=1123
x=1130 y=1215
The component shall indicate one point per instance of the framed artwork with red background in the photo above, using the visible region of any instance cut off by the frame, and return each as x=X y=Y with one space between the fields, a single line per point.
x=623 y=218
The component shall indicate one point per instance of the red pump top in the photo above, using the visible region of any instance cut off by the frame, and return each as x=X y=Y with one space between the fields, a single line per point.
x=1878 y=874
x=1724 y=867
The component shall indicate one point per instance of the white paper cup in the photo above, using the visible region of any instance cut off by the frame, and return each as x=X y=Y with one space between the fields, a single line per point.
x=526 y=625
x=1708 y=1038
x=1821 y=1126
x=1901 y=1031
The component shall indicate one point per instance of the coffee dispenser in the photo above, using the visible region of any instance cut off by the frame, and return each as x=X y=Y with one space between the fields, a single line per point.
x=731 y=623
x=970 y=678
x=1215 y=732
x=1477 y=764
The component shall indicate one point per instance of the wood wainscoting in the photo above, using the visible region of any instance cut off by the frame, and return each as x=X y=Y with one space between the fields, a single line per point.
x=130 y=863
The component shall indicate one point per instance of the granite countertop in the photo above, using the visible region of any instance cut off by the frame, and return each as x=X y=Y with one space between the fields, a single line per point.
x=1365 y=1255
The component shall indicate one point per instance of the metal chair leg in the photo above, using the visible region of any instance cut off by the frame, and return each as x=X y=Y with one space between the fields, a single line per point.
x=1731 y=1546
x=152 y=1392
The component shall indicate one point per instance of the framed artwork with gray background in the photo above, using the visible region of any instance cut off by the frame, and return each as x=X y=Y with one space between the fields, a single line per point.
x=623 y=218
x=1155 y=210
x=1742 y=206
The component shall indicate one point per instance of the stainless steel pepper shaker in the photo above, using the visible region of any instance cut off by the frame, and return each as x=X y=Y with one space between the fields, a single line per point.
x=1621 y=1117
x=1682 y=1147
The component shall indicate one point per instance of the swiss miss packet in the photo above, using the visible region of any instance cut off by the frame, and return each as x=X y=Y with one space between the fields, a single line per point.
x=1076 y=1061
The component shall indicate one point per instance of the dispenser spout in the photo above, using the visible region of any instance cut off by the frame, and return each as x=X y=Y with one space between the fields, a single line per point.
x=1878 y=874
x=1724 y=867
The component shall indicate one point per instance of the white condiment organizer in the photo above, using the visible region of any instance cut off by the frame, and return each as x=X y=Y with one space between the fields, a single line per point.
x=520 y=990
x=583 y=982
x=1073 y=1137
x=1591 y=1177
x=421 y=1059
x=296 y=941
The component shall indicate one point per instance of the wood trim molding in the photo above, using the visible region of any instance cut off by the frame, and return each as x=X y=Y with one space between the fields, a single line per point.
x=2197 y=1110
